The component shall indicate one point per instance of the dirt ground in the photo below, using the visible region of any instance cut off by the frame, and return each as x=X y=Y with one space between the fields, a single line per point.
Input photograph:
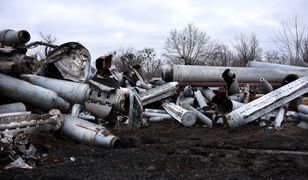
x=167 y=150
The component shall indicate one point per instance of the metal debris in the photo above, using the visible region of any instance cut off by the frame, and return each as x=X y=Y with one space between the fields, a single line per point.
x=159 y=93
x=267 y=103
x=34 y=95
x=156 y=115
x=15 y=128
x=265 y=86
x=73 y=61
x=280 y=116
x=18 y=163
x=303 y=108
x=87 y=132
x=65 y=91
x=71 y=91
x=209 y=76
x=186 y=117
x=13 y=107
x=135 y=110
x=200 y=99
x=303 y=125
x=258 y=64
x=231 y=80
x=13 y=38
x=200 y=116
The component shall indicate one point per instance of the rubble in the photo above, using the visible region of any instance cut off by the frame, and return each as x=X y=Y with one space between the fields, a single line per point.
x=72 y=60
x=200 y=99
x=65 y=93
x=16 y=127
x=71 y=91
x=267 y=103
x=18 y=163
x=280 y=116
x=87 y=132
x=159 y=93
x=186 y=117
x=200 y=116
x=265 y=86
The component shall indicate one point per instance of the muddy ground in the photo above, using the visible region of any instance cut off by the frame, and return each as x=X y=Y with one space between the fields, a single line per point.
x=168 y=150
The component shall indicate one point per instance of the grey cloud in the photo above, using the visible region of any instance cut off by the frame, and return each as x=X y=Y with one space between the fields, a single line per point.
x=107 y=25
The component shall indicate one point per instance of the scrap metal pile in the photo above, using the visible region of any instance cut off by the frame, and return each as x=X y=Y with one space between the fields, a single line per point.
x=66 y=92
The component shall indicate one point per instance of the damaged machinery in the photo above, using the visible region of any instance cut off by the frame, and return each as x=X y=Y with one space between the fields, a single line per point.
x=15 y=128
x=56 y=82
x=64 y=92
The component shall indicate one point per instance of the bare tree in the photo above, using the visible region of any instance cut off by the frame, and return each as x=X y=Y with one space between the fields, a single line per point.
x=247 y=48
x=151 y=66
x=293 y=43
x=223 y=56
x=274 y=57
x=50 y=39
x=189 y=46
x=124 y=57
x=40 y=49
x=304 y=50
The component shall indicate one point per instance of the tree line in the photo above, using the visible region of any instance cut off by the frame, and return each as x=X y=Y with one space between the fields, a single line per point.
x=193 y=46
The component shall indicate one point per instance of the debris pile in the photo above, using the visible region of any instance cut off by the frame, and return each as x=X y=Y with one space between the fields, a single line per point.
x=68 y=93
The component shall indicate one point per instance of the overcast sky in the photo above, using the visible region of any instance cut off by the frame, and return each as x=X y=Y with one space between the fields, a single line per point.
x=103 y=26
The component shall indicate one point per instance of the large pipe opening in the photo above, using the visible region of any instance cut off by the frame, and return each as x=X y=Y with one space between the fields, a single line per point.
x=289 y=78
x=24 y=36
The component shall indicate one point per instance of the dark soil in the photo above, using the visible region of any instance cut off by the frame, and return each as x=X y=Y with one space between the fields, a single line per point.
x=170 y=151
